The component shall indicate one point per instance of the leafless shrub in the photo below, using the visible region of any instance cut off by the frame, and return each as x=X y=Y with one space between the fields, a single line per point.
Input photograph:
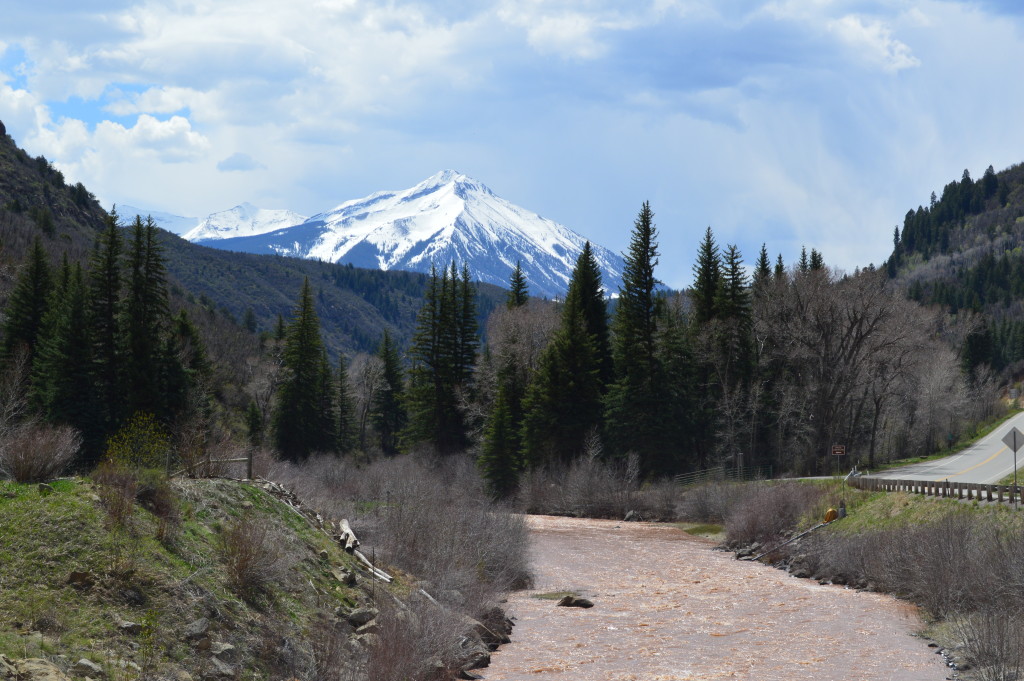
x=769 y=510
x=37 y=452
x=588 y=487
x=993 y=641
x=710 y=502
x=331 y=657
x=416 y=643
x=252 y=555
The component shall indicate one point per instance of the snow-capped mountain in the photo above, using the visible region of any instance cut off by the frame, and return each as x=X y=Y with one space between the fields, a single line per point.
x=172 y=223
x=243 y=220
x=446 y=217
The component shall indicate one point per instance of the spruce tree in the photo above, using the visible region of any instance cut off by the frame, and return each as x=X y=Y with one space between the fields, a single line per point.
x=28 y=304
x=499 y=454
x=62 y=382
x=302 y=423
x=517 y=293
x=762 y=269
x=780 y=269
x=804 y=264
x=104 y=323
x=707 y=275
x=563 y=404
x=586 y=297
x=817 y=262
x=634 y=402
x=387 y=412
x=443 y=354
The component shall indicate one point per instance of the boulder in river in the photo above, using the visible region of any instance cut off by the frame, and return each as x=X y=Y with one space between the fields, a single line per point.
x=575 y=602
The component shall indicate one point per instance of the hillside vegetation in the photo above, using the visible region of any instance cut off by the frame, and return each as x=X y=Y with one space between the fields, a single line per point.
x=963 y=252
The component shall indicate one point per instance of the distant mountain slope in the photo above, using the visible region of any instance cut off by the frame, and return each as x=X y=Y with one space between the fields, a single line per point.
x=355 y=305
x=965 y=251
x=446 y=217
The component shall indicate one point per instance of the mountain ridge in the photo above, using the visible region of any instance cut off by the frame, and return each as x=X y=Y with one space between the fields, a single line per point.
x=447 y=217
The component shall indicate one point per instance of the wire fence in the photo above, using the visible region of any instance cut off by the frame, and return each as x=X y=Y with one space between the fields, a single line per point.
x=724 y=474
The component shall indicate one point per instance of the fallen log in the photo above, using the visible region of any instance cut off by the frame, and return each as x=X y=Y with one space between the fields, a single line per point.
x=376 y=572
x=346 y=537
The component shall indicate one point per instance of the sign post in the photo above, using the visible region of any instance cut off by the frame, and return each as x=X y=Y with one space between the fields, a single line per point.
x=1014 y=440
x=840 y=450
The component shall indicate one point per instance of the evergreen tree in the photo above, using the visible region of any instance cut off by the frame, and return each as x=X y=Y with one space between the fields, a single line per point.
x=443 y=355
x=804 y=265
x=817 y=262
x=28 y=304
x=388 y=411
x=734 y=337
x=780 y=269
x=145 y=320
x=517 y=293
x=104 y=323
x=563 y=403
x=301 y=423
x=62 y=383
x=762 y=269
x=707 y=275
x=254 y=424
x=585 y=297
x=634 y=402
x=499 y=454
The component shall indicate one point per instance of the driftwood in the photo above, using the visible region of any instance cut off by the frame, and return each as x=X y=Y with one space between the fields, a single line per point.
x=377 y=572
x=346 y=537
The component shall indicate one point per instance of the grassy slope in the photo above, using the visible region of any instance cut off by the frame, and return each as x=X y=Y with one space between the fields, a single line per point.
x=44 y=537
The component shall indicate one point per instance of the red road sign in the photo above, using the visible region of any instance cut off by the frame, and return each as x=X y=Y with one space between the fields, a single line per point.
x=838 y=450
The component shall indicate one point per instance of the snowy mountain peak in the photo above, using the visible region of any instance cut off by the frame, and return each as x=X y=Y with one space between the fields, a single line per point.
x=449 y=216
x=243 y=220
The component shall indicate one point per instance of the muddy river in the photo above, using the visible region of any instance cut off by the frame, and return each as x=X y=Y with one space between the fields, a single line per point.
x=668 y=608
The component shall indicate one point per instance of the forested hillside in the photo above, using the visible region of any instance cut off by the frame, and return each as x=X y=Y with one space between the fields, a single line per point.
x=963 y=251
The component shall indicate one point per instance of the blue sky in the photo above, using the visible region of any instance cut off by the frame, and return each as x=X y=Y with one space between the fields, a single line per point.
x=790 y=122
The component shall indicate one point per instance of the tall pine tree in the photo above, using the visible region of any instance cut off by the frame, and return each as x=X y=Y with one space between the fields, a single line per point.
x=302 y=420
x=585 y=297
x=707 y=276
x=388 y=409
x=28 y=304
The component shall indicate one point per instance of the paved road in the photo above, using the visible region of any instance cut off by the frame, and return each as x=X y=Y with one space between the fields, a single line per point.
x=987 y=461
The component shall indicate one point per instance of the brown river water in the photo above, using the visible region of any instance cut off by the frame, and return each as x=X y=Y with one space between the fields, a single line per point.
x=669 y=608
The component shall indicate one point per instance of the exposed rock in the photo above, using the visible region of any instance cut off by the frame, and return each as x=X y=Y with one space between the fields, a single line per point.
x=631 y=517
x=498 y=626
x=361 y=616
x=86 y=667
x=219 y=670
x=203 y=644
x=575 y=602
x=197 y=629
x=367 y=640
x=7 y=669
x=45 y=489
x=130 y=628
x=466 y=674
x=172 y=672
x=224 y=651
x=324 y=555
x=38 y=670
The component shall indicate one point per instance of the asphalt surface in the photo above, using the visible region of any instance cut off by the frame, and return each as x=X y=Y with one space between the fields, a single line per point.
x=986 y=462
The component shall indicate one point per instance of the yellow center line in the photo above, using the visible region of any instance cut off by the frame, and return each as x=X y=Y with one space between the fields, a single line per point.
x=953 y=475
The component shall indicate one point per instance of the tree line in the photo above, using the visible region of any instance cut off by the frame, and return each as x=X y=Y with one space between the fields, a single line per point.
x=767 y=368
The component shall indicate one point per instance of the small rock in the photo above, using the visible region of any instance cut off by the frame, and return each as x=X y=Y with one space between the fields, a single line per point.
x=130 y=628
x=197 y=629
x=45 y=489
x=324 y=555
x=172 y=672
x=575 y=602
x=219 y=669
x=367 y=640
x=246 y=504
x=86 y=667
x=203 y=644
x=224 y=651
x=361 y=616
x=631 y=516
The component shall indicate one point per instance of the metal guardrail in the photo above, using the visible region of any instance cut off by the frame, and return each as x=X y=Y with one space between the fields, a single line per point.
x=945 y=488
x=723 y=474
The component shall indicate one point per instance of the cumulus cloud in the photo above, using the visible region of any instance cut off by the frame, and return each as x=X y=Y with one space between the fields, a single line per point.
x=239 y=161
x=171 y=141
x=874 y=41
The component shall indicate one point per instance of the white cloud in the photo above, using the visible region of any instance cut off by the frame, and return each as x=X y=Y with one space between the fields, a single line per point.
x=156 y=100
x=170 y=141
x=239 y=161
x=874 y=41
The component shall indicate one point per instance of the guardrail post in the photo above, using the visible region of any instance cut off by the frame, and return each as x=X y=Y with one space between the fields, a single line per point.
x=990 y=492
x=999 y=491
